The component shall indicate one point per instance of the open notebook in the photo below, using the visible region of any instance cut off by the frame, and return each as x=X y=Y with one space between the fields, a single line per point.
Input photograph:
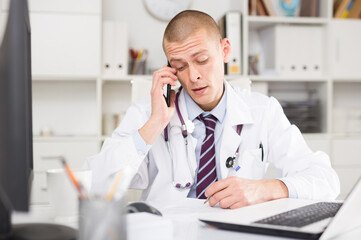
x=298 y=219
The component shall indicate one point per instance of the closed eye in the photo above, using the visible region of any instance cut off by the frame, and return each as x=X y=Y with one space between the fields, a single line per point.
x=180 y=68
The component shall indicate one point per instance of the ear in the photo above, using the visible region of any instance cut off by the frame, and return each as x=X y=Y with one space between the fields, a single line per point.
x=226 y=49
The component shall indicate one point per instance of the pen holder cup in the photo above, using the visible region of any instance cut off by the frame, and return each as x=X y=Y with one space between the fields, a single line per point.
x=102 y=219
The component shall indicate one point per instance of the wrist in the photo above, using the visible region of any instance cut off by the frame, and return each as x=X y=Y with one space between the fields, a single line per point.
x=277 y=189
x=151 y=131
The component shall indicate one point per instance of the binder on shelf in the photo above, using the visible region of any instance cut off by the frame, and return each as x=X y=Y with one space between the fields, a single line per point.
x=230 y=27
x=355 y=10
x=261 y=9
x=345 y=13
x=309 y=8
x=121 y=49
x=108 y=43
x=252 y=7
x=115 y=49
x=269 y=8
x=340 y=7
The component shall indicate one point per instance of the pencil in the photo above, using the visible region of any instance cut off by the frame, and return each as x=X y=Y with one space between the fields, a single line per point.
x=207 y=199
x=71 y=175
x=114 y=186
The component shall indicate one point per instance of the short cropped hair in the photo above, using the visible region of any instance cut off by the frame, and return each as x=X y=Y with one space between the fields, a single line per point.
x=187 y=23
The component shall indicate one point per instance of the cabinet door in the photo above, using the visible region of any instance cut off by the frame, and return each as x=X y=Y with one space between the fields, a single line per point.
x=39 y=190
x=70 y=6
x=65 y=44
x=318 y=145
x=348 y=178
x=345 y=42
x=75 y=152
x=347 y=152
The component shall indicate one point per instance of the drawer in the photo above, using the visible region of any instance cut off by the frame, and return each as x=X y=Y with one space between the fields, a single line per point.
x=346 y=152
x=75 y=152
x=39 y=191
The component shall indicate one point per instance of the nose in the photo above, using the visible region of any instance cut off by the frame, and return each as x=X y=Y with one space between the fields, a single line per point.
x=194 y=74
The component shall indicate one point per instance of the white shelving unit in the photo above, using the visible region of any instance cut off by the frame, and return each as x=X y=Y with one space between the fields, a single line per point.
x=338 y=87
x=73 y=101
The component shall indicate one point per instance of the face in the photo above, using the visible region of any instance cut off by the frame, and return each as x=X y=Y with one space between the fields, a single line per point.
x=199 y=61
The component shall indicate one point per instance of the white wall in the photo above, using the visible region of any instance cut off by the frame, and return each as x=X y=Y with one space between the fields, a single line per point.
x=146 y=31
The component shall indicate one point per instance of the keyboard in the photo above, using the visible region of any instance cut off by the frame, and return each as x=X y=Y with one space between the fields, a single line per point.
x=303 y=216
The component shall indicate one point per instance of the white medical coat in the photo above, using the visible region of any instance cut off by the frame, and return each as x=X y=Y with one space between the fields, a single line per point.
x=263 y=120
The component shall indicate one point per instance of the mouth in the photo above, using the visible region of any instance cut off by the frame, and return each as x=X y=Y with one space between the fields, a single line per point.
x=199 y=90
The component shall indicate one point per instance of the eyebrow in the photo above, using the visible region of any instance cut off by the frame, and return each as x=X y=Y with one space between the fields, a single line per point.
x=193 y=56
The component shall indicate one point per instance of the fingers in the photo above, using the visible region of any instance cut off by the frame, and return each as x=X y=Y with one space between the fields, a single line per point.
x=228 y=193
x=218 y=186
x=218 y=196
x=165 y=75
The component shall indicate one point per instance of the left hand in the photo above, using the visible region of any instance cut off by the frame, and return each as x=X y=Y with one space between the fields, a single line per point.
x=235 y=192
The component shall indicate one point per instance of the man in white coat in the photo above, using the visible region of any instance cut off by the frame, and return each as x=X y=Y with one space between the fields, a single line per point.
x=236 y=135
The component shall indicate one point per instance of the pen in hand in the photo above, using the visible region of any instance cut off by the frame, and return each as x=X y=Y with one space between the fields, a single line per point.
x=207 y=199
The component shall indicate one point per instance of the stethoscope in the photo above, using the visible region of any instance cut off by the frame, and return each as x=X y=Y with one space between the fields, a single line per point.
x=230 y=162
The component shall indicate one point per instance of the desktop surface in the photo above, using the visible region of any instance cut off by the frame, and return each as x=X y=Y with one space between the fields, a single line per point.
x=182 y=216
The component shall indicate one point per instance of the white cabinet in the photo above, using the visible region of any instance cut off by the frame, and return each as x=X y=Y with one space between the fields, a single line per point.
x=65 y=44
x=68 y=6
x=346 y=48
x=46 y=155
x=65 y=108
x=75 y=151
x=346 y=152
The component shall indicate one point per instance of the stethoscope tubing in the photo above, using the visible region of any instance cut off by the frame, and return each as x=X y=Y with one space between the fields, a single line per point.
x=185 y=137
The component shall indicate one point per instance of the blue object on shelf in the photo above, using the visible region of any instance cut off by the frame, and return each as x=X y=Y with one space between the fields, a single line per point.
x=289 y=6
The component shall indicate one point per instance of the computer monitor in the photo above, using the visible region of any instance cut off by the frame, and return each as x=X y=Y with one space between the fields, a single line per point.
x=16 y=138
x=16 y=148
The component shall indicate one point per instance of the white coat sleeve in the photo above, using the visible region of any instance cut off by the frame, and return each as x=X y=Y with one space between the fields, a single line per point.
x=119 y=152
x=310 y=173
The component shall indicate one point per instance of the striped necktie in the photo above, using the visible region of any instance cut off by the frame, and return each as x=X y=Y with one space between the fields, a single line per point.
x=207 y=162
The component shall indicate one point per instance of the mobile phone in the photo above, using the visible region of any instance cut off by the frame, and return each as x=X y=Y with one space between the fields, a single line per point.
x=167 y=98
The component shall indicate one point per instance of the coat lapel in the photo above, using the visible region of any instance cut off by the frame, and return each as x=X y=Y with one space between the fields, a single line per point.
x=237 y=113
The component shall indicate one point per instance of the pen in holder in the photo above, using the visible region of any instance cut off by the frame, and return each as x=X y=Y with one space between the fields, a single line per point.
x=137 y=61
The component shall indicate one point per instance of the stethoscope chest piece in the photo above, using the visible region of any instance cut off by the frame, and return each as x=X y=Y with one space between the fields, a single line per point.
x=230 y=162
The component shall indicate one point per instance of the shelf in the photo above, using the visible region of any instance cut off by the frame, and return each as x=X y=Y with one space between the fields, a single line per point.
x=347 y=135
x=260 y=78
x=323 y=136
x=50 y=78
x=66 y=138
x=256 y=22
x=347 y=79
x=126 y=78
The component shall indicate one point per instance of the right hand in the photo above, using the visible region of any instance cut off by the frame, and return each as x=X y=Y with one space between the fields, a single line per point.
x=161 y=113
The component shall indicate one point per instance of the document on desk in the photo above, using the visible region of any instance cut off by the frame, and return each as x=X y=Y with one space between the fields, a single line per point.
x=190 y=207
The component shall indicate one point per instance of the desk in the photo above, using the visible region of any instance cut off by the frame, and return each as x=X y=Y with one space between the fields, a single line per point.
x=184 y=216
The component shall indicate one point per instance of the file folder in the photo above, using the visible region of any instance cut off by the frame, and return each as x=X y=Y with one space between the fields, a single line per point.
x=115 y=49
x=230 y=26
